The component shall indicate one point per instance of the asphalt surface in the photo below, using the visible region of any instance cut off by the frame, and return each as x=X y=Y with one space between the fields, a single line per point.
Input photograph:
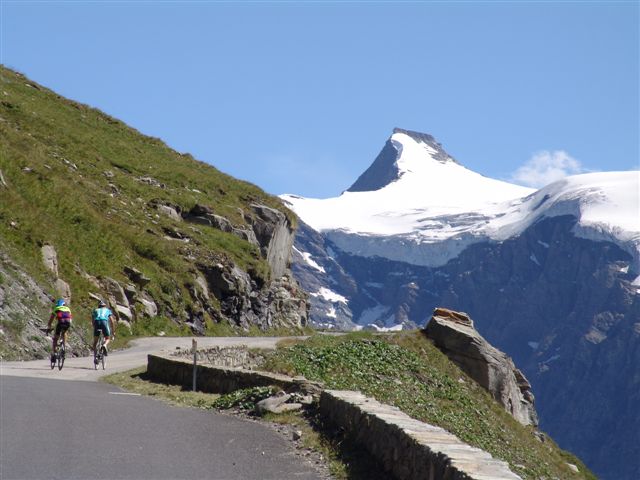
x=83 y=429
x=81 y=368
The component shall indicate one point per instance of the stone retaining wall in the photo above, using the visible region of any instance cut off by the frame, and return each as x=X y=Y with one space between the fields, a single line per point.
x=179 y=371
x=407 y=448
x=236 y=357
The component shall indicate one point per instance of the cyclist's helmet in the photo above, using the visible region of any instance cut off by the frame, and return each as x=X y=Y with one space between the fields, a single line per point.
x=60 y=303
x=101 y=304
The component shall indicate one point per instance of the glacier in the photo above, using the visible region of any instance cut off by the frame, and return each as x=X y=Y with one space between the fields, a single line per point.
x=434 y=208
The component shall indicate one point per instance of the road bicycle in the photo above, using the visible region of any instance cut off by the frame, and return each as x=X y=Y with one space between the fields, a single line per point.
x=61 y=350
x=61 y=353
x=100 y=353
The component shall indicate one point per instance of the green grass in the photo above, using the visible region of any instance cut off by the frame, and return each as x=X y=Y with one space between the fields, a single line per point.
x=74 y=181
x=407 y=371
x=136 y=381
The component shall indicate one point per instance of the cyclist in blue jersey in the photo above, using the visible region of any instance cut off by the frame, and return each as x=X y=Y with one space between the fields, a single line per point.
x=62 y=314
x=102 y=318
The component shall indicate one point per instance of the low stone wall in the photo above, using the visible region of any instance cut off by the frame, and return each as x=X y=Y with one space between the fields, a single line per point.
x=179 y=371
x=236 y=357
x=407 y=448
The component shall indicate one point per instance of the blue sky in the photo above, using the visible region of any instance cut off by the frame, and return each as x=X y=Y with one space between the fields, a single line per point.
x=299 y=97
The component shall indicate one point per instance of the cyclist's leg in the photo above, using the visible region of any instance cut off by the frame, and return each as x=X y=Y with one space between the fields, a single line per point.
x=64 y=329
x=96 y=334
x=56 y=335
x=107 y=333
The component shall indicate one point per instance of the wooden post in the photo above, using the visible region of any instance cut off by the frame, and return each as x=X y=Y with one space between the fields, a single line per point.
x=194 y=346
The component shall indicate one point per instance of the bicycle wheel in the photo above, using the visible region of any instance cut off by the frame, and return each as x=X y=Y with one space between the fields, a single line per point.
x=97 y=355
x=61 y=356
x=103 y=358
x=96 y=358
x=53 y=361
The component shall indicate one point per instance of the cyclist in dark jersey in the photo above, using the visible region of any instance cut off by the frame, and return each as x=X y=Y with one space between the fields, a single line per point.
x=62 y=314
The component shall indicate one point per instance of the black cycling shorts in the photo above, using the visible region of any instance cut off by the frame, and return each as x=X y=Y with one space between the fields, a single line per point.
x=62 y=327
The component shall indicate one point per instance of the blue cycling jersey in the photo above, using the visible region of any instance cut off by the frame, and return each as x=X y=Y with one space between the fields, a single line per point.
x=101 y=314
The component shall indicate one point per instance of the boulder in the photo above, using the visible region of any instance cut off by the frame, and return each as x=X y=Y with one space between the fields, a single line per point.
x=136 y=276
x=203 y=215
x=200 y=210
x=115 y=290
x=221 y=223
x=130 y=292
x=50 y=259
x=151 y=181
x=170 y=212
x=63 y=289
x=123 y=313
x=454 y=334
x=149 y=307
x=277 y=404
x=246 y=235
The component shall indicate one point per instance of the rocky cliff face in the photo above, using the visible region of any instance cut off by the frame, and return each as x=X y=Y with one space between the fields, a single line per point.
x=220 y=290
x=454 y=334
x=564 y=308
x=24 y=307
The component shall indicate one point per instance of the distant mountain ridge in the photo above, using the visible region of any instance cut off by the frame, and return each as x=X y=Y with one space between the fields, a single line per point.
x=552 y=277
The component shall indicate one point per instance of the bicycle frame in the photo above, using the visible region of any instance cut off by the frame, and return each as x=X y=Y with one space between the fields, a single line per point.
x=58 y=358
x=98 y=355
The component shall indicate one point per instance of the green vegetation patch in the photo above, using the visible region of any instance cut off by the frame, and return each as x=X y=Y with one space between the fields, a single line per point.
x=407 y=371
x=244 y=399
x=136 y=381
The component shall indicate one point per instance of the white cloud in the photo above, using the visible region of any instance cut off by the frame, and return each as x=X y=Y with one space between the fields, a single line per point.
x=546 y=167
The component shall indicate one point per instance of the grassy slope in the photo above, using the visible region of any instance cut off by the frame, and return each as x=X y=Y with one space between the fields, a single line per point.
x=407 y=371
x=94 y=228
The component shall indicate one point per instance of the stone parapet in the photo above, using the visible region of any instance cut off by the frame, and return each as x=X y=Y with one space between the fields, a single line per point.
x=407 y=448
x=179 y=371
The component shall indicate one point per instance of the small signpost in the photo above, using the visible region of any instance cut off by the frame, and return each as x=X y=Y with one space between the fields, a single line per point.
x=194 y=346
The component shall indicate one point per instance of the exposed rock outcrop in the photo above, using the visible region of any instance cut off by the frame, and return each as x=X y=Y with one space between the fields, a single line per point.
x=204 y=215
x=270 y=230
x=50 y=259
x=275 y=236
x=25 y=307
x=136 y=276
x=280 y=304
x=454 y=334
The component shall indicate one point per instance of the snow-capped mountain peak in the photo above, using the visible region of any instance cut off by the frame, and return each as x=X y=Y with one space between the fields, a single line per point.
x=416 y=204
x=404 y=151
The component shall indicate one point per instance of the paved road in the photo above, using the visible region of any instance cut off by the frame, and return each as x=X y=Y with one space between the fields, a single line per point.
x=83 y=429
x=86 y=430
x=82 y=368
